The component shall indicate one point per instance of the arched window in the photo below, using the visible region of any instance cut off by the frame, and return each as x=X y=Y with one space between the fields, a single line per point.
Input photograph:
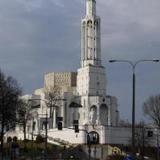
x=89 y=23
x=103 y=112
x=93 y=114
x=95 y=22
x=93 y=137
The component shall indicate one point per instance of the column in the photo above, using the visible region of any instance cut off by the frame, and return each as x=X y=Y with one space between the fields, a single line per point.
x=54 y=117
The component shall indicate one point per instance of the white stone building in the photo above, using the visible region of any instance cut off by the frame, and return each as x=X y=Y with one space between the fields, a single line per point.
x=87 y=87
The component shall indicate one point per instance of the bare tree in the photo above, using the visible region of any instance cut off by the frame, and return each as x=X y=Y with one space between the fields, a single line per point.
x=141 y=138
x=24 y=114
x=9 y=96
x=151 y=108
x=53 y=95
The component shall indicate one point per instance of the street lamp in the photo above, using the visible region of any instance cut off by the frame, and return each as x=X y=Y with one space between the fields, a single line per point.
x=133 y=65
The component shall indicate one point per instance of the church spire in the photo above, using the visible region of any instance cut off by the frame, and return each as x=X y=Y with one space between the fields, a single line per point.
x=91 y=7
x=90 y=36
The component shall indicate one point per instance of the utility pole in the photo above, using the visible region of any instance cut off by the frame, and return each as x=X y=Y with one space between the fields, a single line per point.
x=133 y=110
x=32 y=138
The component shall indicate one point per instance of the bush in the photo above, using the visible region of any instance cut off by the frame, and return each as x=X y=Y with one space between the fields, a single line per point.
x=26 y=140
x=115 y=157
x=39 y=139
x=15 y=139
x=9 y=139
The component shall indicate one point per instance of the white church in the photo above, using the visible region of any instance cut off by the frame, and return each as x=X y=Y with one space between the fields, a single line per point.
x=81 y=96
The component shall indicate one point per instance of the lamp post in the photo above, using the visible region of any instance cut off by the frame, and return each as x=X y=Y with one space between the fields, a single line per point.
x=33 y=125
x=133 y=65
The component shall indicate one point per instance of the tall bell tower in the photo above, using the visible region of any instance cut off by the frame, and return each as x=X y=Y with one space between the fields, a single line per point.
x=90 y=36
x=91 y=78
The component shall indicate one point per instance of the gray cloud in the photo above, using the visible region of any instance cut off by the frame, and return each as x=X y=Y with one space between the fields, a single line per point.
x=130 y=28
x=38 y=36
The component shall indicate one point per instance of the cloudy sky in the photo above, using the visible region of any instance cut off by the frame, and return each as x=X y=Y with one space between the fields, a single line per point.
x=40 y=36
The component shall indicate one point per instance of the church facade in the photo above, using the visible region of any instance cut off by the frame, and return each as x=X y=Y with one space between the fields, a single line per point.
x=95 y=109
